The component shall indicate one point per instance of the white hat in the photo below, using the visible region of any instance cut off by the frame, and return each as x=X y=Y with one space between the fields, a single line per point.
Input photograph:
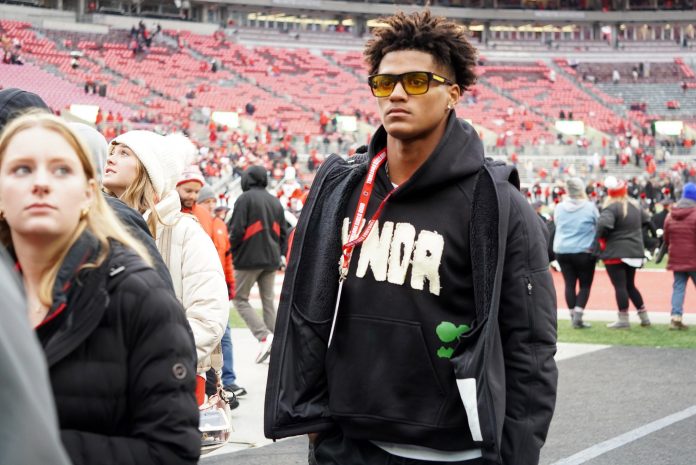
x=191 y=173
x=163 y=157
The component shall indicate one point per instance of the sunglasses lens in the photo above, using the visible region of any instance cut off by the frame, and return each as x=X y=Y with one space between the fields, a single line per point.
x=382 y=85
x=416 y=83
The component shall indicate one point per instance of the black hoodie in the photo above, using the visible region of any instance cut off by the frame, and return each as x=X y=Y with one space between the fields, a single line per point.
x=257 y=229
x=410 y=299
x=507 y=357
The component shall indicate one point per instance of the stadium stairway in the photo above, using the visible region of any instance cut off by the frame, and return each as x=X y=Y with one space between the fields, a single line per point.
x=656 y=96
x=572 y=77
x=485 y=82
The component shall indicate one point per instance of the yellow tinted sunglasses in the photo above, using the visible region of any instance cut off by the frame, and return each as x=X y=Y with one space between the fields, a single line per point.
x=414 y=82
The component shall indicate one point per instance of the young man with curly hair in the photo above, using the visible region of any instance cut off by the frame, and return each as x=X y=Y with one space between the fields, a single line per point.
x=417 y=322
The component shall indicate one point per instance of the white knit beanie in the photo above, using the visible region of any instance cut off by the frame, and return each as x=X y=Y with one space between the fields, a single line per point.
x=163 y=157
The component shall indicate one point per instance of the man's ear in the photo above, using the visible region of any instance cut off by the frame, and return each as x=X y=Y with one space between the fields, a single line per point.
x=455 y=92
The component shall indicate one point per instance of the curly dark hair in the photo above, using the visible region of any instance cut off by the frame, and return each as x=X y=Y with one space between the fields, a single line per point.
x=445 y=40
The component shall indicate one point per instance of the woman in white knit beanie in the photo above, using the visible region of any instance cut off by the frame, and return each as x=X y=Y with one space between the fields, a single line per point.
x=142 y=169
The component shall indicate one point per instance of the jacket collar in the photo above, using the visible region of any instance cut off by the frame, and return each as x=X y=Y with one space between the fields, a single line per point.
x=79 y=300
x=168 y=207
x=458 y=155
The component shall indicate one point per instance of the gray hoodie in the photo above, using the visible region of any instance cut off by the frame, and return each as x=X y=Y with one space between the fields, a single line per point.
x=28 y=424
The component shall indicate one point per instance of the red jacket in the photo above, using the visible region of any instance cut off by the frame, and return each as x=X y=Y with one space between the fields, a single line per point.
x=680 y=237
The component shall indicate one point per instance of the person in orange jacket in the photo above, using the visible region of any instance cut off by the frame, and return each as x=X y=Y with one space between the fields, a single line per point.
x=205 y=208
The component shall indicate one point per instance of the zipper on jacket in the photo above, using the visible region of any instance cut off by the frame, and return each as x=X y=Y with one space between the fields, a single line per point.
x=530 y=287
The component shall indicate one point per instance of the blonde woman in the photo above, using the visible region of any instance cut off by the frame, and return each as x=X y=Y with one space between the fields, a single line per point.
x=142 y=169
x=120 y=354
x=619 y=230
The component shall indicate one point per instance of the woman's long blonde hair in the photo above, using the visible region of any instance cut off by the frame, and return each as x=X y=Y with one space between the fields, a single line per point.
x=140 y=194
x=624 y=200
x=100 y=220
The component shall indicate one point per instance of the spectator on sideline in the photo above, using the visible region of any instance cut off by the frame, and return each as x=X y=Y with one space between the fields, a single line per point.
x=393 y=364
x=110 y=329
x=659 y=218
x=221 y=212
x=221 y=239
x=576 y=226
x=619 y=233
x=142 y=170
x=258 y=235
x=680 y=239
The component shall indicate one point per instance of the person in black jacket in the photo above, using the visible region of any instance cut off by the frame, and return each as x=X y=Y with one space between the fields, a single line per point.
x=258 y=234
x=120 y=354
x=411 y=352
x=619 y=233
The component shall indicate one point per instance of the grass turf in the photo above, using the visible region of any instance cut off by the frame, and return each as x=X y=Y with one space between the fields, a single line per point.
x=236 y=320
x=657 y=335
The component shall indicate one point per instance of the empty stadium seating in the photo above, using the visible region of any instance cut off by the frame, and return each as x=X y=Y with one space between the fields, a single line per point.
x=293 y=84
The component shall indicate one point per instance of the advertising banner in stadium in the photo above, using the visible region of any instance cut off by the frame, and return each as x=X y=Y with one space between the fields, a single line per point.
x=669 y=128
x=87 y=113
x=346 y=123
x=226 y=118
x=570 y=128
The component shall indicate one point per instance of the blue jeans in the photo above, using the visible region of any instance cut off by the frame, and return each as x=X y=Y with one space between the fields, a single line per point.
x=679 y=290
x=228 y=375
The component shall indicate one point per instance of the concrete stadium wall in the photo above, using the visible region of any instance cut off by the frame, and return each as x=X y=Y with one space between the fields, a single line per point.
x=35 y=16
x=74 y=27
x=126 y=22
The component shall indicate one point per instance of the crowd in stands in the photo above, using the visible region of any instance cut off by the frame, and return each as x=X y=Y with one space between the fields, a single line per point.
x=11 y=48
x=278 y=139
x=141 y=37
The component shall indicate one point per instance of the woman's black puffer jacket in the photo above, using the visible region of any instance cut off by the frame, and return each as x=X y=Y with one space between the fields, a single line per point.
x=122 y=362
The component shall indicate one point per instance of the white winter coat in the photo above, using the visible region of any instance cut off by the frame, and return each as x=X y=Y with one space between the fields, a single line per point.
x=199 y=282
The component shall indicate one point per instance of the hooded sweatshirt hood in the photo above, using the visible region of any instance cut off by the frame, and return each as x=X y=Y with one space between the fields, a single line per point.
x=96 y=143
x=573 y=205
x=682 y=208
x=254 y=176
x=459 y=154
x=13 y=102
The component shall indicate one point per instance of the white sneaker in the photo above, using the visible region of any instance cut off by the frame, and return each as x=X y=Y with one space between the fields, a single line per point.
x=265 y=349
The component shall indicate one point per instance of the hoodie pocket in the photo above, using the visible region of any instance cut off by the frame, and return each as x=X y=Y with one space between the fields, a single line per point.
x=381 y=368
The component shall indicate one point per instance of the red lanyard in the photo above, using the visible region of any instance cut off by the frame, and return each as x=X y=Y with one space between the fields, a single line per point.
x=356 y=236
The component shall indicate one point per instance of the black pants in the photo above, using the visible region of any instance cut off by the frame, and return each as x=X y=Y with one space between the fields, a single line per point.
x=577 y=267
x=623 y=277
x=333 y=448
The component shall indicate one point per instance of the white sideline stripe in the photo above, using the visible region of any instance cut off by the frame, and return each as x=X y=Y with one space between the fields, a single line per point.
x=621 y=440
